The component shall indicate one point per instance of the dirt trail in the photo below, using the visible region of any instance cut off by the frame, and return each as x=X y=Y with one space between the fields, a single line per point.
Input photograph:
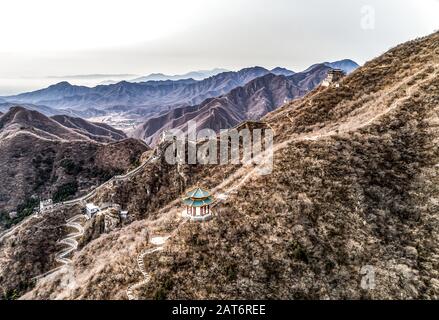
x=159 y=242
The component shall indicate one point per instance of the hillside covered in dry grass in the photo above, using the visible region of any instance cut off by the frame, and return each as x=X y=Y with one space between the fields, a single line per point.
x=57 y=158
x=354 y=184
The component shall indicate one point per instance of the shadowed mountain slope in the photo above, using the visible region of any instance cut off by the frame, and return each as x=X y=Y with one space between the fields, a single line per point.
x=250 y=102
x=93 y=130
x=42 y=157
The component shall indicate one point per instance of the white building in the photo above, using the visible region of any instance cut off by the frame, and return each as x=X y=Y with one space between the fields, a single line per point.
x=13 y=214
x=91 y=209
x=123 y=215
x=46 y=205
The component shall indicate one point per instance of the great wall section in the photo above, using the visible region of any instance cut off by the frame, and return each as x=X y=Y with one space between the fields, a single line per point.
x=158 y=242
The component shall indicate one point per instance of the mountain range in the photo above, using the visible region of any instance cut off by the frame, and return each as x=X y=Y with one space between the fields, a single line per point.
x=42 y=156
x=148 y=99
x=282 y=72
x=353 y=188
x=6 y=106
x=249 y=102
x=195 y=75
x=155 y=95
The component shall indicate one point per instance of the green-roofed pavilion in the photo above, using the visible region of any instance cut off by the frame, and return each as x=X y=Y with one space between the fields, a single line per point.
x=198 y=203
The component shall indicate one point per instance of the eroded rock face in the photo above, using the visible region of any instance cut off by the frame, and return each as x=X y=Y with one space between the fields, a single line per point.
x=104 y=221
x=93 y=229
x=112 y=220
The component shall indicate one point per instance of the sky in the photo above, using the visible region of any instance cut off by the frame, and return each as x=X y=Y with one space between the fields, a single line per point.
x=89 y=41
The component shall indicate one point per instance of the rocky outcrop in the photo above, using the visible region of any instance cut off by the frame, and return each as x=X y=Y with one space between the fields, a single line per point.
x=105 y=221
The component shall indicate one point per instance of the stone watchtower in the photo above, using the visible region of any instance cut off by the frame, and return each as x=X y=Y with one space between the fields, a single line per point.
x=333 y=78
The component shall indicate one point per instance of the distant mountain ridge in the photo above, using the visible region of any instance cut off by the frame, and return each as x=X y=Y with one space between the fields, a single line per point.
x=161 y=94
x=157 y=96
x=196 y=75
x=282 y=72
x=310 y=78
x=6 y=106
x=346 y=65
x=96 y=131
x=60 y=127
x=250 y=102
x=127 y=104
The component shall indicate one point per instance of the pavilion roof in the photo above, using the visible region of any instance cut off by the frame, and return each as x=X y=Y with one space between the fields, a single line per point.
x=198 y=197
x=198 y=203
x=198 y=193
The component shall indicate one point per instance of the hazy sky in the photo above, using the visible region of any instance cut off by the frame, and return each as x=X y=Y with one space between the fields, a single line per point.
x=45 y=39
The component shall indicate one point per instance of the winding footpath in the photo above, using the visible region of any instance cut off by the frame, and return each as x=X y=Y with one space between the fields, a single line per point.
x=141 y=265
x=86 y=197
x=71 y=240
x=159 y=242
